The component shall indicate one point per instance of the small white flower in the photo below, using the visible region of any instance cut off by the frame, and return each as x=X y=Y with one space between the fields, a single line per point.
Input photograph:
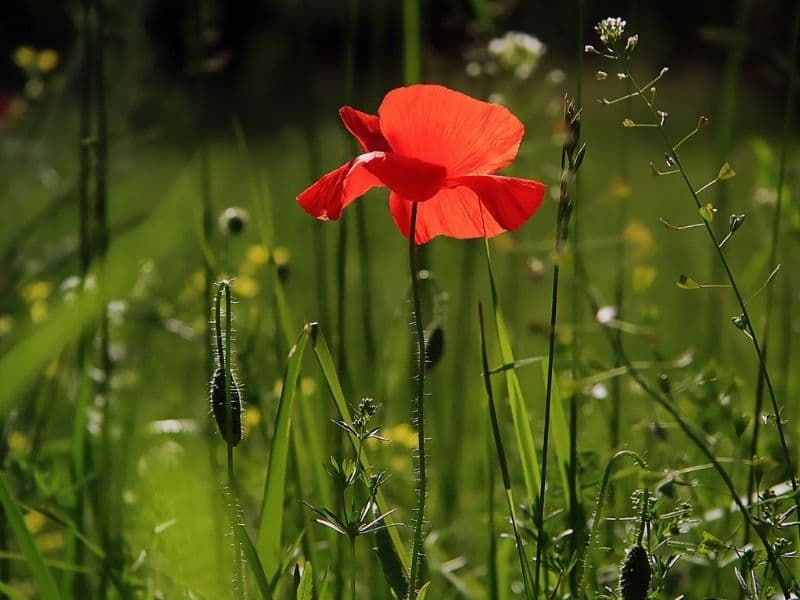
x=473 y=69
x=606 y=314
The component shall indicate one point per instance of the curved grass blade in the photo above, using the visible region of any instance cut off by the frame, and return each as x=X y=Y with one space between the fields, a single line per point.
x=251 y=556
x=268 y=542
x=519 y=411
x=41 y=574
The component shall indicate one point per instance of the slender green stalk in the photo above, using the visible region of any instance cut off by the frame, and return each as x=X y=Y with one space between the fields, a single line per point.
x=501 y=459
x=576 y=516
x=224 y=357
x=571 y=158
x=419 y=412
x=773 y=253
x=742 y=305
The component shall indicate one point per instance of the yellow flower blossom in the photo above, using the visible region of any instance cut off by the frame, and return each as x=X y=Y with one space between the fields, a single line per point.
x=47 y=60
x=34 y=521
x=24 y=57
x=246 y=287
x=257 y=254
x=36 y=290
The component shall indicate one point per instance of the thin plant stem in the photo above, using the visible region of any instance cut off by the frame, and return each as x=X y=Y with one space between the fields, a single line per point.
x=353 y=566
x=419 y=410
x=773 y=254
x=540 y=536
x=742 y=305
x=501 y=459
x=412 y=59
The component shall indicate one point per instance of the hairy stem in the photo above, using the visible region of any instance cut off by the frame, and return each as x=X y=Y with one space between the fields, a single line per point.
x=419 y=410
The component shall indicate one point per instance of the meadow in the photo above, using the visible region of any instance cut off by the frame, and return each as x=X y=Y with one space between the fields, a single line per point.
x=206 y=392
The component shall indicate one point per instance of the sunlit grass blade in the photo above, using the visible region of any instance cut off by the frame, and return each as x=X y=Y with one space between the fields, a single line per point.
x=328 y=368
x=268 y=541
x=41 y=574
x=519 y=411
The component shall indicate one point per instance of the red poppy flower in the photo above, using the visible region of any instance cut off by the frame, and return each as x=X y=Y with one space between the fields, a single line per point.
x=438 y=147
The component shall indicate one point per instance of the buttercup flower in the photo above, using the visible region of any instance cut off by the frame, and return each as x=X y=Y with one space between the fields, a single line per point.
x=440 y=148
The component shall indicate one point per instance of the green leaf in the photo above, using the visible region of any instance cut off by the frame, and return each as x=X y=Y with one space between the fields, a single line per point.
x=687 y=283
x=305 y=590
x=270 y=549
x=13 y=517
x=519 y=411
x=726 y=172
x=711 y=544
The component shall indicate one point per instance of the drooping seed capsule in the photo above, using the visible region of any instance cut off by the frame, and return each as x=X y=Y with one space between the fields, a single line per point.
x=634 y=577
x=219 y=407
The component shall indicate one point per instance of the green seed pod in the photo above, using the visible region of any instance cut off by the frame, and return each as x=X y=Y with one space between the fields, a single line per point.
x=219 y=407
x=634 y=577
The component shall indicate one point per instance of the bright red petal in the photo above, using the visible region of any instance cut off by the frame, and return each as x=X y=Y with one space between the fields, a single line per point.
x=479 y=206
x=365 y=128
x=409 y=177
x=444 y=127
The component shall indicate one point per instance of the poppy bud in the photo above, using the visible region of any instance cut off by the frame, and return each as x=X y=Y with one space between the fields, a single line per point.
x=233 y=220
x=634 y=577
x=219 y=407
x=434 y=347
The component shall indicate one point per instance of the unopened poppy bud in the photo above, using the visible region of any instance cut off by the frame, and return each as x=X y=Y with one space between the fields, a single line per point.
x=219 y=407
x=634 y=577
x=434 y=347
x=233 y=220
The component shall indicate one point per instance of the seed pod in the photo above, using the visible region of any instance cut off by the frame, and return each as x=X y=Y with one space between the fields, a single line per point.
x=634 y=577
x=434 y=347
x=219 y=407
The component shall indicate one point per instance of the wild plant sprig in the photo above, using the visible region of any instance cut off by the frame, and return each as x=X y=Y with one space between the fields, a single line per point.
x=665 y=400
x=419 y=411
x=742 y=321
x=571 y=159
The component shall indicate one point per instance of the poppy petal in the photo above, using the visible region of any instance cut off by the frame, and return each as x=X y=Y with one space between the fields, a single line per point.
x=445 y=127
x=479 y=206
x=365 y=128
x=409 y=177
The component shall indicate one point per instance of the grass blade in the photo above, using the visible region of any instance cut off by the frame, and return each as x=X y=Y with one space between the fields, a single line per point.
x=519 y=411
x=305 y=591
x=269 y=529
x=41 y=574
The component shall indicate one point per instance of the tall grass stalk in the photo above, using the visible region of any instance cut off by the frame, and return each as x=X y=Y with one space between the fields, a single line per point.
x=571 y=158
x=788 y=114
x=419 y=413
x=76 y=583
x=749 y=328
x=224 y=356
x=412 y=42
x=726 y=124
x=501 y=459
x=576 y=517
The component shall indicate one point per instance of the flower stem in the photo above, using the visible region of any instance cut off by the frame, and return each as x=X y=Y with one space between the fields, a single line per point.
x=419 y=410
x=224 y=356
